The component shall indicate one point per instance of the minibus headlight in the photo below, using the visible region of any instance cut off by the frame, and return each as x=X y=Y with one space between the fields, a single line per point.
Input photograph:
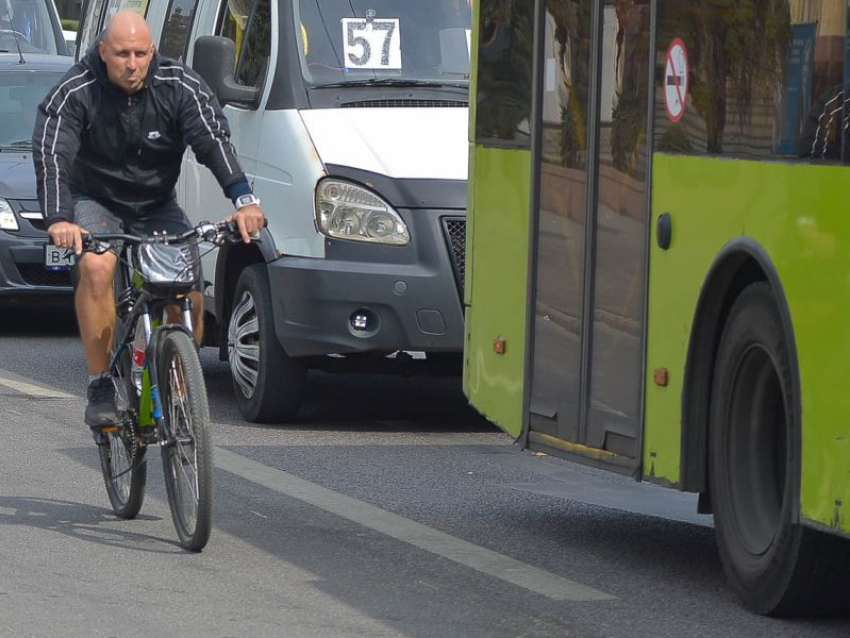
x=348 y=211
x=8 y=221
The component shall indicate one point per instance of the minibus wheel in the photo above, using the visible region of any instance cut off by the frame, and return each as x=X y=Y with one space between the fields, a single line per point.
x=267 y=382
x=774 y=564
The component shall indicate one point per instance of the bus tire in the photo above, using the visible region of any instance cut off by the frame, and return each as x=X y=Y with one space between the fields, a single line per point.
x=775 y=565
x=267 y=382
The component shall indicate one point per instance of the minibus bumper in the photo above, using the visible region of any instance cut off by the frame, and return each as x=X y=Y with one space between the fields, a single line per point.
x=353 y=305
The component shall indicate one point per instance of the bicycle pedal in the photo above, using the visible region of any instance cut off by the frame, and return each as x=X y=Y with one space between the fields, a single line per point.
x=100 y=438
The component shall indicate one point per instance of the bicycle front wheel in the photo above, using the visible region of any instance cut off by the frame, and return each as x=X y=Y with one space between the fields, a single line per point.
x=187 y=456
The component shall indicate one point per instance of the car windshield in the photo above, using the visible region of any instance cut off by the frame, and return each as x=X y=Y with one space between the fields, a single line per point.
x=20 y=94
x=383 y=42
x=25 y=25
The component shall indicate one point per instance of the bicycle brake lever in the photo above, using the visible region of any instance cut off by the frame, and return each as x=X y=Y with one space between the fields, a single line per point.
x=94 y=246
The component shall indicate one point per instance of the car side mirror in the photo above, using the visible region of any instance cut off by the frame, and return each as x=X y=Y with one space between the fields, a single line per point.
x=214 y=60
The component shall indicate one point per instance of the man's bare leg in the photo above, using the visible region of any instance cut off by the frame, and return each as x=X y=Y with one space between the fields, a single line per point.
x=175 y=315
x=96 y=316
x=96 y=308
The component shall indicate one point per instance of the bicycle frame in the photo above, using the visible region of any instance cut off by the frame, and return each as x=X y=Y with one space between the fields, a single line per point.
x=146 y=308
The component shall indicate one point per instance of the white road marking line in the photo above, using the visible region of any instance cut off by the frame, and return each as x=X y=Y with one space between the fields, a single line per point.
x=429 y=539
x=17 y=383
x=460 y=551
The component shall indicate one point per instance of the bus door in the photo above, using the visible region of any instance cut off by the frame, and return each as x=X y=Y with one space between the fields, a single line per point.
x=590 y=242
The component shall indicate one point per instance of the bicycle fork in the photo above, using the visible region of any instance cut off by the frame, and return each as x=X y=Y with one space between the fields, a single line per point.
x=166 y=435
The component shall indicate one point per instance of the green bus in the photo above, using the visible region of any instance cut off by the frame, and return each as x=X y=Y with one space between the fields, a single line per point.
x=658 y=262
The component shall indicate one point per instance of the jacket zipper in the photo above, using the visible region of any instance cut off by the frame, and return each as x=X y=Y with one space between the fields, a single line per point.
x=130 y=105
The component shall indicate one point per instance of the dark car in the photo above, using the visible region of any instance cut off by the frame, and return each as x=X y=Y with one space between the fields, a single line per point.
x=24 y=82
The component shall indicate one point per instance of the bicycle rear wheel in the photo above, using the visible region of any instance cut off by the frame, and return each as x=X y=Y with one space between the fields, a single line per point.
x=122 y=460
x=187 y=459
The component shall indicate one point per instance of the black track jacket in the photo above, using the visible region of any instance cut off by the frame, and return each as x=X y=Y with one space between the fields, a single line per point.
x=125 y=151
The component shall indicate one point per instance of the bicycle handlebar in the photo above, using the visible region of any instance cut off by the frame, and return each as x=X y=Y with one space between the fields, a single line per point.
x=205 y=231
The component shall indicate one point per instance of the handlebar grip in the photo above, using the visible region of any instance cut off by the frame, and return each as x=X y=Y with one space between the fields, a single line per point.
x=232 y=229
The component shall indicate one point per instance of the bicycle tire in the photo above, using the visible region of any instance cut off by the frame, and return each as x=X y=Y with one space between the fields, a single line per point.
x=122 y=461
x=188 y=463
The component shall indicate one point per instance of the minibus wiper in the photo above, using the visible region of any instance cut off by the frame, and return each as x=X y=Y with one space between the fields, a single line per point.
x=17 y=145
x=389 y=82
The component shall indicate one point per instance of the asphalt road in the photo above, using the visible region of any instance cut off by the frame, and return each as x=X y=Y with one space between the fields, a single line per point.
x=388 y=509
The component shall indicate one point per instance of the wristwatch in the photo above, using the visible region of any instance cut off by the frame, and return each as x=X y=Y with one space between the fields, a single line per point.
x=247 y=200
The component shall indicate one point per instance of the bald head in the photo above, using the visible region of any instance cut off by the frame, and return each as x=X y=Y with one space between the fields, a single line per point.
x=127 y=24
x=126 y=50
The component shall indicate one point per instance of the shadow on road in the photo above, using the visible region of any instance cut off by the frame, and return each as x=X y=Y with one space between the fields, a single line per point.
x=80 y=521
x=343 y=402
x=337 y=402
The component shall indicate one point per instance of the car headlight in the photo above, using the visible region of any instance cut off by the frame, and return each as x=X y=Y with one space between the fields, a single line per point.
x=347 y=211
x=8 y=221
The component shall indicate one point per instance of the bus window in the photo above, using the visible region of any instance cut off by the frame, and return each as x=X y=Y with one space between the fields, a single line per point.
x=562 y=221
x=90 y=25
x=97 y=14
x=777 y=90
x=503 y=108
x=249 y=26
x=114 y=6
x=175 y=32
x=620 y=219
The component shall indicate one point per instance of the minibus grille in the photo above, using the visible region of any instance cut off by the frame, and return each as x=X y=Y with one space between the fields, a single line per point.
x=406 y=104
x=454 y=229
x=36 y=275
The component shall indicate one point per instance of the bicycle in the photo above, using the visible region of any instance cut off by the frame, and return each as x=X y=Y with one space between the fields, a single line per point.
x=161 y=396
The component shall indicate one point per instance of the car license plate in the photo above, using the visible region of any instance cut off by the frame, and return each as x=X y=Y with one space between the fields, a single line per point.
x=56 y=258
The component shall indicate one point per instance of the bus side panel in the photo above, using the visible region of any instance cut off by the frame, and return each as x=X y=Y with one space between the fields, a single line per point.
x=798 y=214
x=496 y=274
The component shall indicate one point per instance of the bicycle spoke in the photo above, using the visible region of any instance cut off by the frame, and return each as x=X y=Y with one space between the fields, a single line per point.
x=187 y=457
x=183 y=462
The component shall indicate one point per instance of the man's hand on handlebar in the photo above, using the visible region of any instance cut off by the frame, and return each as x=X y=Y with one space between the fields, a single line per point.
x=249 y=219
x=68 y=235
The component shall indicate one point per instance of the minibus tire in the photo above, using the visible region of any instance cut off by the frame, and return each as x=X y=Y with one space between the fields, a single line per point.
x=276 y=394
x=775 y=565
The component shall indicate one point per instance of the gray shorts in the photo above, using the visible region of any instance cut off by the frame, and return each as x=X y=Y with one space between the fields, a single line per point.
x=168 y=219
x=96 y=218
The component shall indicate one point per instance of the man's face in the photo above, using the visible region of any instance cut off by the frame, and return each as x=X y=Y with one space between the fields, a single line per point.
x=127 y=57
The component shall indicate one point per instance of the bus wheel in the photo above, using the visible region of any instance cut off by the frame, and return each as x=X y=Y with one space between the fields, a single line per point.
x=775 y=565
x=266 y=381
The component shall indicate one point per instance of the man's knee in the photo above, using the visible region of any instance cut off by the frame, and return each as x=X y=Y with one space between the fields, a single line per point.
x=96 y=271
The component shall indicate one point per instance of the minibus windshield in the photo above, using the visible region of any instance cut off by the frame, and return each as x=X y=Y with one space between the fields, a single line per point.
x=383 y=42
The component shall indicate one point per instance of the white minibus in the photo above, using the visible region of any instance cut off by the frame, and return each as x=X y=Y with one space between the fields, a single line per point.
x=350 y=120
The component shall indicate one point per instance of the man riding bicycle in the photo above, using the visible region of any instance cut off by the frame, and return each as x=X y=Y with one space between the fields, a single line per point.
x=107 y=146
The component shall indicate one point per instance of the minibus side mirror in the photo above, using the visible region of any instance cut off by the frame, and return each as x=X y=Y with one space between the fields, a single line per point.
x=214 y=60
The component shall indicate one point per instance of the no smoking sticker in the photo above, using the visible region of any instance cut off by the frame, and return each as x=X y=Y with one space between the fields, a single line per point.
x=676 y=80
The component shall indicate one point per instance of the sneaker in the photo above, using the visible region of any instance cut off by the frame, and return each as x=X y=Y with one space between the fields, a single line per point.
x=100 y=411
